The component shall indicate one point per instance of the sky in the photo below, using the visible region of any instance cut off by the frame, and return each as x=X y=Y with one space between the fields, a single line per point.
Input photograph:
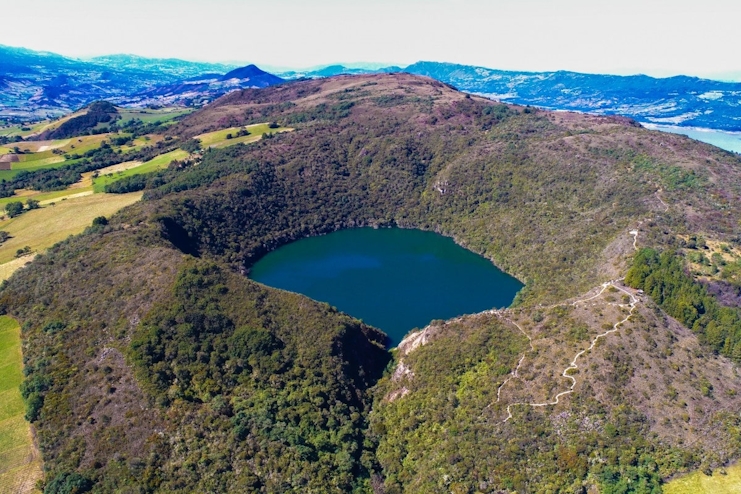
x=654 y=37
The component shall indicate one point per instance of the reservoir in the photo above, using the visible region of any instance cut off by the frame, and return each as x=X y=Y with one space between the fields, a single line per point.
x=391 y=278
x=730 y=141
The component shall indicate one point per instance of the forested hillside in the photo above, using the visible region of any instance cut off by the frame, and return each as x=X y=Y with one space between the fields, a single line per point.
x=154 y=365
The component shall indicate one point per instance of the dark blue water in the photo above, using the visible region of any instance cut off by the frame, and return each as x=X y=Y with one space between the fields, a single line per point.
x=391 y=278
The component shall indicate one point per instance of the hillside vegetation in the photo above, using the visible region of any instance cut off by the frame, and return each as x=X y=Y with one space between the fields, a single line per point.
x=154 y=365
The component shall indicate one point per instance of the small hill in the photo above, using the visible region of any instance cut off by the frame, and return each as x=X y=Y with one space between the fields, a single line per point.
x=254 y=75
x=154 y=364
x=208 y=87
x=98 y=112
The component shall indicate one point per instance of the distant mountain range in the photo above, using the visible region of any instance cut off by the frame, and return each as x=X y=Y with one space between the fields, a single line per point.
x=37 y=84
x=684 y=101
x=681 y=100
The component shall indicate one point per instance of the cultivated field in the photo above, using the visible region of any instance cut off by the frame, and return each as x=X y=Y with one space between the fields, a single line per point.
x=46 y=197
x=20 y=464
x=149 y=116
x=41 y=228
x=152 y=165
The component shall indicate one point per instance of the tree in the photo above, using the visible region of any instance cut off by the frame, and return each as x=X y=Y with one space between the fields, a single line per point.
x=191 y=145
x=32 y=204
x=14 y=208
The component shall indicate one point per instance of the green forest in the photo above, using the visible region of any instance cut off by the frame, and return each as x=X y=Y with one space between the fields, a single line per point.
x=663 y=277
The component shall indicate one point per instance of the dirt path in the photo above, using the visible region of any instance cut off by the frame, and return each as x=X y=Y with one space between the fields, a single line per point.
x=634 y=301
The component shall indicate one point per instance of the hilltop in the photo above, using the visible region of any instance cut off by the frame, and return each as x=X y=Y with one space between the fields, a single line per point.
x=586 y=382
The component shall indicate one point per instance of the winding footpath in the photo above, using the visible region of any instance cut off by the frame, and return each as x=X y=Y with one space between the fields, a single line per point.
x=573 y=365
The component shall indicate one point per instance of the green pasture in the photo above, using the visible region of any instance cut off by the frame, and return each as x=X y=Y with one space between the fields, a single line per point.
x=44 y=196
x=162 y=115
x=19 y=464
x=140 y=142
x=218 y=138
x=152 y=165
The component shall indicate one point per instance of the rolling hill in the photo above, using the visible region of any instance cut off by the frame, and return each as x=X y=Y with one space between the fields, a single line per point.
x=153 y=364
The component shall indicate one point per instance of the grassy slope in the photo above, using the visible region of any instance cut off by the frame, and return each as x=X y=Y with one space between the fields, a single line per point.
x=699 y=483
x=40 y=155
x=152 y=165
x=20 y=464
x=150 y=116
x=42 y=228
x=217 y=138
x=45 y=197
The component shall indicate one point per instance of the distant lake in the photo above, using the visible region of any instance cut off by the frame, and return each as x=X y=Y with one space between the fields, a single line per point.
x=730 y=141
x=391 y=278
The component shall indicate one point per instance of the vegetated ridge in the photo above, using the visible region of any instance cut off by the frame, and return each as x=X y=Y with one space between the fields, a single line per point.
x=167 y=369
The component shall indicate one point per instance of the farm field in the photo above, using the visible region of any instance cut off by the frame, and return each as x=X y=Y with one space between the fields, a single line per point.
x=149 y=116
x=140 y=142
x=45 y=197
x=699 y=483
x=218 y=138
x=20 y=463
x=38 y=155
x=152 y=165
x=76 y=145
x=41 y=228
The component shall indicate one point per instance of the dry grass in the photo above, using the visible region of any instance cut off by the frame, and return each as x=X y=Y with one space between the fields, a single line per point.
x=699 y=483
x=41 y=228
x=7 y=269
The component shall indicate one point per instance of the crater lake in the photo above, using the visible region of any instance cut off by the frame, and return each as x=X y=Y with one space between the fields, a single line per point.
x=391 y=278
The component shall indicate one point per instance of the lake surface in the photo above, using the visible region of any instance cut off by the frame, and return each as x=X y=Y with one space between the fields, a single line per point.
x=730 y=141
x=391 y=278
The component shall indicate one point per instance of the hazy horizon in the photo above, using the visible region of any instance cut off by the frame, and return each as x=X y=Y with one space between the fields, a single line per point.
x=731 y=76
x=653 y=37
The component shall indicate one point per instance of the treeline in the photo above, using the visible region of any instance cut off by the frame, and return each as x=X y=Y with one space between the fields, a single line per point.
x=662 y=276
x=61 y=177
